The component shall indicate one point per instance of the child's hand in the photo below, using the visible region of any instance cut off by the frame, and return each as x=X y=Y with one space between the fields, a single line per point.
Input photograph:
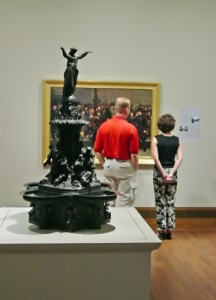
x=169 y=178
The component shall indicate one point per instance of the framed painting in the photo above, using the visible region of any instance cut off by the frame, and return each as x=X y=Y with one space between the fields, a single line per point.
x=96 y=104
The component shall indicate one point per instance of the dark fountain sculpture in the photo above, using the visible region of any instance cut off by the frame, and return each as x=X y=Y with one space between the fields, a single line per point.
x=70 y=197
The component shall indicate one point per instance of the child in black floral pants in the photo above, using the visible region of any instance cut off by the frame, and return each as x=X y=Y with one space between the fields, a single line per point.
x=167 y=154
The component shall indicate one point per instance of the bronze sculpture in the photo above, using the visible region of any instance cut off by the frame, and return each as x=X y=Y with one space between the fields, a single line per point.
x=70 y=197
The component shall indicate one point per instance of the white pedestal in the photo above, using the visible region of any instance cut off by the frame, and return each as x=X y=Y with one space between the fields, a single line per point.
x=112 y=263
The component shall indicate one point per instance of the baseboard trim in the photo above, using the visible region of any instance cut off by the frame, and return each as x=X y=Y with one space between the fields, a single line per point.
x=182 y=212
x=187 y=218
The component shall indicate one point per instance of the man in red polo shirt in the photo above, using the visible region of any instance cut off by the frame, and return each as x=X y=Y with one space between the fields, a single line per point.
x=116 y=147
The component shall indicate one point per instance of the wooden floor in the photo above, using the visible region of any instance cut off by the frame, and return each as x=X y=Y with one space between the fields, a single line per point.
x=184 y=268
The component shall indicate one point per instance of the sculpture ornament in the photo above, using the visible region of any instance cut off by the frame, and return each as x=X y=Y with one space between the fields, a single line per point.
x=59 y=166
x=71 y=72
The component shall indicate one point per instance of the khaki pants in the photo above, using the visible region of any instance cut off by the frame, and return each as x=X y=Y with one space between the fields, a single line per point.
x=121 y=176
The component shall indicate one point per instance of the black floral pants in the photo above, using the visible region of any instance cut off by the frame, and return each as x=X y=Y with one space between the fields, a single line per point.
x=164 y=201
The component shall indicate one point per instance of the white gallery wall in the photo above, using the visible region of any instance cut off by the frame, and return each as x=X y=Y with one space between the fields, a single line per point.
x=167 y=41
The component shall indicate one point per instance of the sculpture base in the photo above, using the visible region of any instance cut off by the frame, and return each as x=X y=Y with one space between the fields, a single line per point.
x=69 y=216
x=68 y=211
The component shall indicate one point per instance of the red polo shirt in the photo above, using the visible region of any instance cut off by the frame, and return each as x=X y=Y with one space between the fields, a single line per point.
x=116 y=138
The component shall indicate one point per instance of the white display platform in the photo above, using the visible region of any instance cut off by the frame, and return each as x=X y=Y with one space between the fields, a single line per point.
x=111 y=263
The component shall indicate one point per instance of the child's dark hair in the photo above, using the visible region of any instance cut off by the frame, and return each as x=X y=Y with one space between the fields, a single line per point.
x=166 y=123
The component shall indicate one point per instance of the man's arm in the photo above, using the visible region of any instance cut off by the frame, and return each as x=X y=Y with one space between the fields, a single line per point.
x=100 y=158
x=135 y=161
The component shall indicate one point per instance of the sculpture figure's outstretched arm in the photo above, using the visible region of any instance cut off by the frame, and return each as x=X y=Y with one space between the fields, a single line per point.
x=64 y=53
x=83 y=54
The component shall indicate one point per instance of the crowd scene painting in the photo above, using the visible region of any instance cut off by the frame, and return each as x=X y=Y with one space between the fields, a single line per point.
x=100 y=108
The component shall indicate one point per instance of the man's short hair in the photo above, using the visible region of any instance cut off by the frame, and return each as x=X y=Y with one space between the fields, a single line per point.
x=121 y=104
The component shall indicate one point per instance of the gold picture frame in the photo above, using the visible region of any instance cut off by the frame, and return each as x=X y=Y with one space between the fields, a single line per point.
x=94 y=95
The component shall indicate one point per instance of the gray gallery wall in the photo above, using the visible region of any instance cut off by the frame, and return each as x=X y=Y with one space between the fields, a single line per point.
x=167 y=41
